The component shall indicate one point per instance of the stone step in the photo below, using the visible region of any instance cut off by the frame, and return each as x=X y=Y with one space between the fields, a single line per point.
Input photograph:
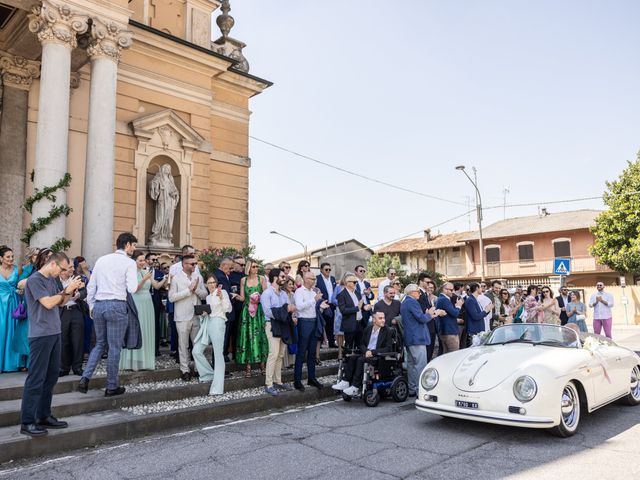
x=11 y=384
x=92 y=429
x=75 y=403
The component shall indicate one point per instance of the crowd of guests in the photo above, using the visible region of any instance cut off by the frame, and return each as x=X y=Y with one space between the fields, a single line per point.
x=55 y=309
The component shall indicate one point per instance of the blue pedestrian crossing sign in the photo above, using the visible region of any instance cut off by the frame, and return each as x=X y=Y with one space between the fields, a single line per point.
x=562 y=266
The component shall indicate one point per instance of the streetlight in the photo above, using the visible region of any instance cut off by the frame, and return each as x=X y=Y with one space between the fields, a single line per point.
x=273 y=232
x=479 y=213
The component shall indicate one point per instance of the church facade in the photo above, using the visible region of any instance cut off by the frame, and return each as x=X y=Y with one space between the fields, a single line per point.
x=123 y=115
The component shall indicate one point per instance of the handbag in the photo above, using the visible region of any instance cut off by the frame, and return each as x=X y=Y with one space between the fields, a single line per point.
x=20 y=312
x=202 y=309
x=581 y=317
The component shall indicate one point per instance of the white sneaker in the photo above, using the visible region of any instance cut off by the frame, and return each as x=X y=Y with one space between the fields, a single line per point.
x=341 y=385
x=351 y=391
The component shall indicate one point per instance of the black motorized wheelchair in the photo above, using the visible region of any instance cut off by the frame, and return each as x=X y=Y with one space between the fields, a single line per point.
x=383 y=378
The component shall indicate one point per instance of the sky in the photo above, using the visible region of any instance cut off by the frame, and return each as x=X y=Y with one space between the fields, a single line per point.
x=540 y=96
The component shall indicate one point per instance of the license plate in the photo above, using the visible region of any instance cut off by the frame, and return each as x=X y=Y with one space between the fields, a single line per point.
x=461 y=404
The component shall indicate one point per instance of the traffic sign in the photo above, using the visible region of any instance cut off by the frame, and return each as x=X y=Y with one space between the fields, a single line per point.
x=562 y=266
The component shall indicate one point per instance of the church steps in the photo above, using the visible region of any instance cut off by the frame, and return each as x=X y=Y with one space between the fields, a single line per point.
x=75 y=403
x=91 y=429
x=11 y=384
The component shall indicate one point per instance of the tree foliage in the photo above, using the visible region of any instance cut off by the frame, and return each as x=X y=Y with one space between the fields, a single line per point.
x=377 y=265
x=617 y=229
x=212 y=256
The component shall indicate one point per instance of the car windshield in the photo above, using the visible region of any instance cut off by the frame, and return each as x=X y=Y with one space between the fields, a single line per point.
x=535 y=333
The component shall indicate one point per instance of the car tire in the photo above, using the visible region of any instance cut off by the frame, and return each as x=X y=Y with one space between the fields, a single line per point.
x=345 y=397
x=569 y=411
x=400 y=389
x=371 y=398
x=633 y=398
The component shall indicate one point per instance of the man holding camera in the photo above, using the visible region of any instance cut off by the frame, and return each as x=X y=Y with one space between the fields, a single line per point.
x=43 y=301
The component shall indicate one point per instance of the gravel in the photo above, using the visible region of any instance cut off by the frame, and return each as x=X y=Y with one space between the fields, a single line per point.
x=146 y=409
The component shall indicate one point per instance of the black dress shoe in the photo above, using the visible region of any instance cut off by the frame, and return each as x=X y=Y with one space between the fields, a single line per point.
x=83 y=385
x=114 y=392
x=63 y=373
x=315 y=383
x=185 y=377
x=51 y=422
x=318 y=362
x=33 y=430
x=78 y=372
x=298 y=386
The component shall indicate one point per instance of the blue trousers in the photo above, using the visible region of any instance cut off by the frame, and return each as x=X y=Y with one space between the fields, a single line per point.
x=44 y=368
x=307 y=341
x=110 y=320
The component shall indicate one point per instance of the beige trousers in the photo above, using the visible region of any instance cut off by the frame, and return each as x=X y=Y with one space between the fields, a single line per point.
x=274 y=361
x=186 y=329
x=451 y=343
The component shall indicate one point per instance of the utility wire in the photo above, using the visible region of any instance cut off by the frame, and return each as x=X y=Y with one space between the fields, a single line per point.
x=571 y=200
x=401 y=238
x=355 y=174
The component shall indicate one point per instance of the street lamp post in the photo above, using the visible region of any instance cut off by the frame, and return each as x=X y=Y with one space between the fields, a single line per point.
x=478 y=212
x=306 y=256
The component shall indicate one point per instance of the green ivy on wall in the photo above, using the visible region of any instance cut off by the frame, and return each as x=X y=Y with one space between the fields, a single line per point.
x=56 y=211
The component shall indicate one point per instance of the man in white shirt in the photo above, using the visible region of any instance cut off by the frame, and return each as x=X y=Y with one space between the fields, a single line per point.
x=114 y=275
x=177 y=267
x=483 y=301
x=186 y=291
x=602 y=303
x=306 y=298
x=391 y=276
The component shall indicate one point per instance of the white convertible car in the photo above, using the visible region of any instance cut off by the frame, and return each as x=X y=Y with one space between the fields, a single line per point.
x=531 y=375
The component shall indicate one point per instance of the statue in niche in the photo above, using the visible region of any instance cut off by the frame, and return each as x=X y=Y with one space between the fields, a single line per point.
x=163 y=190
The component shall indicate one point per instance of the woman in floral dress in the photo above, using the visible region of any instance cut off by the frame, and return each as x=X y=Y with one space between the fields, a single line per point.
x=252 y=346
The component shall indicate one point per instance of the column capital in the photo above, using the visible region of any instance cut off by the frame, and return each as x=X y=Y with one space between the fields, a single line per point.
x=18 y=72
x=108 y=38
x=58 y=23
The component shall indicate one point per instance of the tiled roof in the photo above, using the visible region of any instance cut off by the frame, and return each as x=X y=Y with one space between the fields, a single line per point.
x=422 y=243
x=553 y=222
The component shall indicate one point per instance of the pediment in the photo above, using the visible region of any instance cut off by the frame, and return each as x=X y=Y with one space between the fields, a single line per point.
x=167 y=128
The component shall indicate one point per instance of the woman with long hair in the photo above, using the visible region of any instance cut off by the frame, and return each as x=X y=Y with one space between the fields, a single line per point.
x=212 y=328
x=20 y=341
x=252 y=346
x=506 y=310
x=549 y=308
x=577 y=311
x=303 y=267
x=143 y=358
x=10 y=359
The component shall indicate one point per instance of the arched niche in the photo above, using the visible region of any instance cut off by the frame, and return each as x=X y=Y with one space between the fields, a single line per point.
x=163 y=137
x=150 y=206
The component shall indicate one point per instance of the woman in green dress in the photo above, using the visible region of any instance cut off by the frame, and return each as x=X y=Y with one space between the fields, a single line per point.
x=143 y=358
x=252 y=346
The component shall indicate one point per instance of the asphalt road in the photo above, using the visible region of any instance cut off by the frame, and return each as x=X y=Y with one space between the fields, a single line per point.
x=349 y=440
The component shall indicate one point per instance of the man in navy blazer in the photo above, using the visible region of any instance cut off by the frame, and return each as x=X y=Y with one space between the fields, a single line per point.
x=363 y=287
x=326 y=283
x=416 y=335
x=449 y=332
x=475 y=313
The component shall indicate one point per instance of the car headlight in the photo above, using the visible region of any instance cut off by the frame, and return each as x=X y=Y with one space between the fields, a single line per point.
x=525 y=388
x=429 y=379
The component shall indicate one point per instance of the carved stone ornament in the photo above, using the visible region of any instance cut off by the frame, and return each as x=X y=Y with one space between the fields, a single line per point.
x=108 y=38
x=18 y=72
x=53 y=22
x=225 y=21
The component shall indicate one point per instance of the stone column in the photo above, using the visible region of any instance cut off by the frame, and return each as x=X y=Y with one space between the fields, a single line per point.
x=107 y=40
x=17 y=75
x=56 y=26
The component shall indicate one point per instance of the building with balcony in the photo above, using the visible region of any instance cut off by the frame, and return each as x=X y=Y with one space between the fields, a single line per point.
x=522 y=250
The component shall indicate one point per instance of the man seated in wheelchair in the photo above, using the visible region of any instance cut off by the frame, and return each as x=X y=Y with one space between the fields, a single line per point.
x=377 y=339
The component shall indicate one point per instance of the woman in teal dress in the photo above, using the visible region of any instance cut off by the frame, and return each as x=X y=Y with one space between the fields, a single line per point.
x=10 y=360
x=143 y=358
x=253 y=346
x=20 y=341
